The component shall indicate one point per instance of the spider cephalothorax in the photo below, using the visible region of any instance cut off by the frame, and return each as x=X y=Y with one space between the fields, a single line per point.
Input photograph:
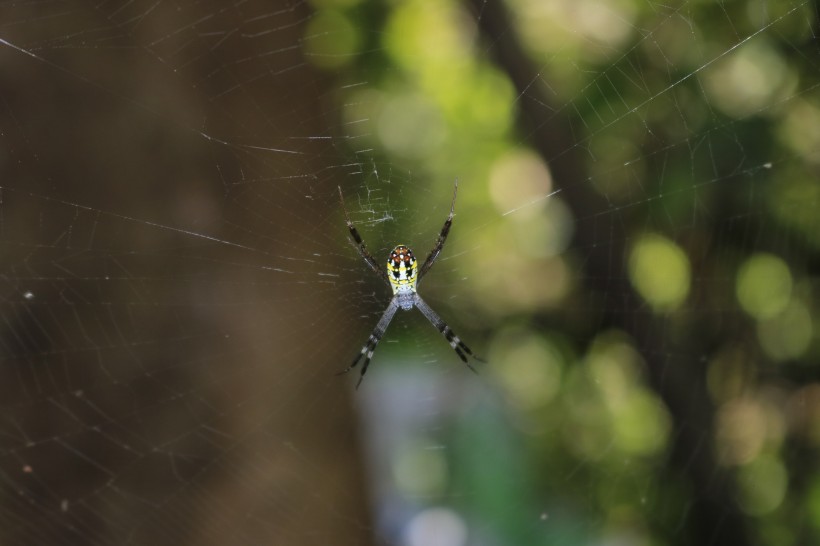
x=403 y=276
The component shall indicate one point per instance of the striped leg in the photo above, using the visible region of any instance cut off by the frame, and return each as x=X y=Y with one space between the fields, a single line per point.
x=361 y=248
x=370 y=346
x=442 y=237
x=458 y=346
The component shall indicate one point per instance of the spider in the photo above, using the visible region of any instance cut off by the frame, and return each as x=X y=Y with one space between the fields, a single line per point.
x=403 y=277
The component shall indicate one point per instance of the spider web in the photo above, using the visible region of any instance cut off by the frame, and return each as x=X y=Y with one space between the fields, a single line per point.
x=634 y=253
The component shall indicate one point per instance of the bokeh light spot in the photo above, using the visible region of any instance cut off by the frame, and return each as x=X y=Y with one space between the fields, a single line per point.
x=660 y=272
x=750 y=78
x=593 y=26
x=642 y=424
x=741 y=431
x=518 y=181
x=788 y=334
x=762 y=484
x=764 y=285
x=800 y=130
x=436 y=527
x=529 y=367
x=331 y=39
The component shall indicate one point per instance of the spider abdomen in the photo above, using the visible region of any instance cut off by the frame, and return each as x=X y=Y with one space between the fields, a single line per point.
x=403 y=274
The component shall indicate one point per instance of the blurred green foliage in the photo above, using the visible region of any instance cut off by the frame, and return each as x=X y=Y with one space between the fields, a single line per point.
x=699 y=127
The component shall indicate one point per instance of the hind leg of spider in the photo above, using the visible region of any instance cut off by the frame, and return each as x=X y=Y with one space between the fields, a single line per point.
x=455 y=342
x=459 y=346
x=367 y=352
x=370 y=346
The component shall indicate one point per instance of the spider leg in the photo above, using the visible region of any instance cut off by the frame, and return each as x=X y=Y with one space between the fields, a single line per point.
x=370 y=345
x=358 y=243
x=442 y=236
x=458 y=346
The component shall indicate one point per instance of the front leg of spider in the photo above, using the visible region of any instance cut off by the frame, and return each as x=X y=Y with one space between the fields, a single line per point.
x=358 y=243
x=403 y=276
